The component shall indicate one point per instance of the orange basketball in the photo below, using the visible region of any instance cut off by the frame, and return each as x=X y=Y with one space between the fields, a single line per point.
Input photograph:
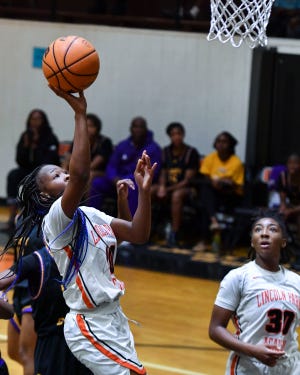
x=71 y=63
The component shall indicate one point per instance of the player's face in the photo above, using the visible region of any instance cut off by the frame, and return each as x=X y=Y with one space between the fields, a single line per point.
x=267 y=239
x=53 y=180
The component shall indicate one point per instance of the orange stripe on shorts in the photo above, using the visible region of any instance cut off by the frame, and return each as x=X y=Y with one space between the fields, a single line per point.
x=106 y=352
x=234 y=364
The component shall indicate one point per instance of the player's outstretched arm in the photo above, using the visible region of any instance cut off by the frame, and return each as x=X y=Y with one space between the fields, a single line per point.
x=122 y=191
x=138 y=230
x=80 y=160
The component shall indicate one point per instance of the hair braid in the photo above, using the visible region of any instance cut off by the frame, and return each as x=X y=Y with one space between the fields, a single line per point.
x=33 y=207
x=79 y=246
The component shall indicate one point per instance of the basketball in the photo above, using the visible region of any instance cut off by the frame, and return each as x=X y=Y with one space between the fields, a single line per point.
x=71 y=63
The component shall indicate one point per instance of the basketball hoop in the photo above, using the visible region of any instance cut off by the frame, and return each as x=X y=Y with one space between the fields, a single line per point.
x=240 y=20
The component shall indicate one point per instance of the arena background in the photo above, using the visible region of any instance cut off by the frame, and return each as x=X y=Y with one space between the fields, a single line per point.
x=162 y=75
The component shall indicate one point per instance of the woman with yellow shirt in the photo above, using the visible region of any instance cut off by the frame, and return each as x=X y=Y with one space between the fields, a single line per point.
x=223 y=173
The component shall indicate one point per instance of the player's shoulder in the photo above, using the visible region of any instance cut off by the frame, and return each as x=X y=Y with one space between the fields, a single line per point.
x=96 y=216
x=292 y=274
x=241 y=271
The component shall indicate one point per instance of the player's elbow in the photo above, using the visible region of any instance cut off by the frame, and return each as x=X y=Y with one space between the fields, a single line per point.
x=141 y=237
x=212 y=332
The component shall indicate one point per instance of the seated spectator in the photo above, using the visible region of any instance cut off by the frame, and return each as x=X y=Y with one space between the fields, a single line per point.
x=223 y=180
x=272 y=181
x=122 y=164
x=37 y=145
x=101 y=149
x=180 y=163
x=101 y=146
x=288 y=186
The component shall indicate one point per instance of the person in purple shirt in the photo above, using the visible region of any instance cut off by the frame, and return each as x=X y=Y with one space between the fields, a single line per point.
x=122 y=164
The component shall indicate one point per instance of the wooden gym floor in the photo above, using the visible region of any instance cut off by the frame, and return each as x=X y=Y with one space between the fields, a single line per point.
x=173 y=313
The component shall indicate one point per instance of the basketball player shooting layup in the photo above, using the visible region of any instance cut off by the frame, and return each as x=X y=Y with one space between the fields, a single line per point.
x=263 y=299
x=83 y=242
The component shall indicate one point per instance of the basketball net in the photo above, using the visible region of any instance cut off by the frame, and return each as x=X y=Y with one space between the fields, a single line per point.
x=240 y=20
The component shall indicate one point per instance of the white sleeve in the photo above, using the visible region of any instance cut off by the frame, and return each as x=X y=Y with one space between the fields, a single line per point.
x=57 y=227
x=229 y=294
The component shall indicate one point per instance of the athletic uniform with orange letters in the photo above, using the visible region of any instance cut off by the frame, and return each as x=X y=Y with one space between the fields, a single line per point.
x=266 y=310
x=96 y=329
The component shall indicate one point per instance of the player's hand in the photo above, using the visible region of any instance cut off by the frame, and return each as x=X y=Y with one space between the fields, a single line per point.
x=267 y=355
x=144 y=172
x=123 y=186
x=78 y=103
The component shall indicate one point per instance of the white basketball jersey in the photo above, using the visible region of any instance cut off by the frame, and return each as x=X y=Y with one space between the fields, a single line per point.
x=95 y=282
x=265 y=305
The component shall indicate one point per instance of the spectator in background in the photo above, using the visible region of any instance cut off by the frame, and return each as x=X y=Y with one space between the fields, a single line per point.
x=101 y=150
x=122 y=164
x=37 y=145
x=270 y=176
x=288 y=185
x=223 y=180
x=101 y=146
x=180 y=163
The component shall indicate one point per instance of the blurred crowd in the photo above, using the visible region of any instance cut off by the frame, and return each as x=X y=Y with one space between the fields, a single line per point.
x=192 y=193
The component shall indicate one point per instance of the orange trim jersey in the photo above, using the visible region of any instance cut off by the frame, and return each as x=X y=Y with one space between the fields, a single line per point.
x=265 y=310
x=95 y=282
x=96 y=330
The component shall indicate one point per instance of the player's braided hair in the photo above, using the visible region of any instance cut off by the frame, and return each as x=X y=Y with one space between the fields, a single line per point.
x=286 y=253
x=79 y=245
x=34 y=205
